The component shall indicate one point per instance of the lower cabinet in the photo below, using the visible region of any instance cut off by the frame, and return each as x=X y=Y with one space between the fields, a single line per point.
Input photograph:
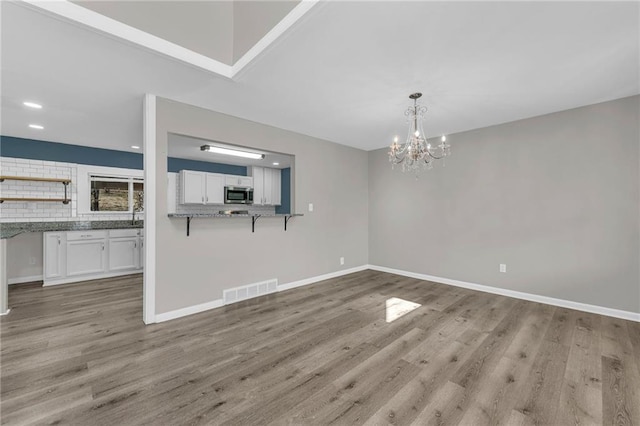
x=83 y=255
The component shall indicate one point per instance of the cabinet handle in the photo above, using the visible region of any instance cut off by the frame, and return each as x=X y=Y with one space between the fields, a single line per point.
x=102 y=246
x=207 y=199
x=135 y=245
x=202 y=199
x=58 y=240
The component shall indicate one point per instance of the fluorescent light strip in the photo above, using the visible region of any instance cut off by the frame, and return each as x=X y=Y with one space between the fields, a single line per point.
x=32 y=105
x=36 y=126
x=234 y=152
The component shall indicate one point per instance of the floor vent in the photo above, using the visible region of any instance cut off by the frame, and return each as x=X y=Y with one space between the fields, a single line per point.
x=245 y=292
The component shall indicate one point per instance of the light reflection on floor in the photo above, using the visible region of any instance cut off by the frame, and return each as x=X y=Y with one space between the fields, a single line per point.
x=397 y=307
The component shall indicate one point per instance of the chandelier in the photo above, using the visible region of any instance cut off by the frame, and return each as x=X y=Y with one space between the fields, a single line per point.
x=417 y=152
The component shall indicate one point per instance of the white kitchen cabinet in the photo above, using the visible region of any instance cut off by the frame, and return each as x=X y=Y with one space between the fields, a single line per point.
x=257 y=173
x=54 y=249
x=266 y=186
x=86 y=253
x=141 y=250
x=193 y=186
x=124 y=253
x=276 y=187
x=201 y=187
x=214 y=189
x=242 y=181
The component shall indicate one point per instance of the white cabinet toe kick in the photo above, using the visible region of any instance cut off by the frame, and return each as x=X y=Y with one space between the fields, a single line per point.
x=86 y=255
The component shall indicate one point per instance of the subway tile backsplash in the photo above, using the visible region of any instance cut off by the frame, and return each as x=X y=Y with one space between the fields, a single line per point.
x=38 y=211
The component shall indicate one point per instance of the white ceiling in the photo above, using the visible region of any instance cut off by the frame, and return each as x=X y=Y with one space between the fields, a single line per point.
x=342 y=73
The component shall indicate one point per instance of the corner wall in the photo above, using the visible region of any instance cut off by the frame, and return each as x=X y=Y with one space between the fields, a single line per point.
x=224 y=253
x=556 y=198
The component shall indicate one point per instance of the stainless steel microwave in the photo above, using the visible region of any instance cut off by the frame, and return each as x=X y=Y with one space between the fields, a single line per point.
x=238 y=195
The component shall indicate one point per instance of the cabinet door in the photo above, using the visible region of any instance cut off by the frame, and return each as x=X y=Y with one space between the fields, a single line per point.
x=53 y=255
x=141 y=252
x=258 y=185
x=276 y=187
x=123 y=253
x=268 y=187
x=86 y=257
x=193 y=187
x=246 y=181
x=215 y=189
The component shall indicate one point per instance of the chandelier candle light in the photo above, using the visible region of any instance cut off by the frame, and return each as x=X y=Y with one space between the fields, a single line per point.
x=417 y=152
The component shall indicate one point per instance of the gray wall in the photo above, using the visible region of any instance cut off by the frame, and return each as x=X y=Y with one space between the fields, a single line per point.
x=223 y=253
x=555 y=197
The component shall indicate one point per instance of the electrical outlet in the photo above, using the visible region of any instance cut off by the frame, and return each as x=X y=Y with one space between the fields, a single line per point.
x=310 y=207
x=342 y=260
x=32 y=261
x=503 y=267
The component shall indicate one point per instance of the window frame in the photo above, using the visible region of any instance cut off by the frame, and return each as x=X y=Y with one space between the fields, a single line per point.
x=85 y=176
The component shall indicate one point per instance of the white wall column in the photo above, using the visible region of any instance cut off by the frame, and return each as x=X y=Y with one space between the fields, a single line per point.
x=149 y=155
x=4 y=284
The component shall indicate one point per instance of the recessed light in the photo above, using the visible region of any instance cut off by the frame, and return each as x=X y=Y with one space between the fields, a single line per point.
x=36 y=126
x=32 y=105
x=135 y=147
x=276 y=164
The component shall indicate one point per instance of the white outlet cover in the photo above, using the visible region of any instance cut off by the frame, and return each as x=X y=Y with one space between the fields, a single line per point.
x=310 y=207
x=342 y=260
x=503 y=267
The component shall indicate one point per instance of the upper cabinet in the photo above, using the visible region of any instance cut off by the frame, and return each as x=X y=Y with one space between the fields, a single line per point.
x=242 y=181
x=201 y=187
x=266 y=186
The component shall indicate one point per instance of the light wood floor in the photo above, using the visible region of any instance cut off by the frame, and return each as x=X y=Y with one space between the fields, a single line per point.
x=321 y=354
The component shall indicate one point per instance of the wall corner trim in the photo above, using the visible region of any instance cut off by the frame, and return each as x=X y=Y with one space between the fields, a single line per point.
x=601 y=310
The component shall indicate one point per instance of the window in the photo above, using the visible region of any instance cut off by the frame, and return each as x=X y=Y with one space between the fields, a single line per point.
x=109 y=190
x=116 y=194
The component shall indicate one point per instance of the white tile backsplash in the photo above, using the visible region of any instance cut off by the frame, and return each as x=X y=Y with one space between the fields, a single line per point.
x=36 y=211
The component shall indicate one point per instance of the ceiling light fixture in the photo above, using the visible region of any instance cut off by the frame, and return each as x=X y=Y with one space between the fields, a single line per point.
x=32 y=105
x=234 y=152
x=417 y=152
x=135 y=147
x=36 y=126
x=276 y=164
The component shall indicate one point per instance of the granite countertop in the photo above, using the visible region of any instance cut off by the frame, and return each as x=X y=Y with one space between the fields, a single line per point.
x=11 y=229
x=196 y=215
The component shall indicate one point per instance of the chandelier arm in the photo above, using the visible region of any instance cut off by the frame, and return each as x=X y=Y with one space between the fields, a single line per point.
x=435 y=157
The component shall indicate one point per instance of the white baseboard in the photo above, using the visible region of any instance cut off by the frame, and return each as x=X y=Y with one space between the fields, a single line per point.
x=307 y=281
x=601 y=310
x=82 y=278
x=21 y=280
x=189 y=310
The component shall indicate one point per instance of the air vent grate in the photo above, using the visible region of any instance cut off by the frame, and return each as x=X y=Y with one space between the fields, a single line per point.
x=249 y=291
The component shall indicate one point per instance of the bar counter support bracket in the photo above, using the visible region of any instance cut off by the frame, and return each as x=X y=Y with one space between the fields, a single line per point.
x=254 y=219
x=188 y=224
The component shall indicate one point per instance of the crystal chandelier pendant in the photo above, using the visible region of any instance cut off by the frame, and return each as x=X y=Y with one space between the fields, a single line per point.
x=417 y=152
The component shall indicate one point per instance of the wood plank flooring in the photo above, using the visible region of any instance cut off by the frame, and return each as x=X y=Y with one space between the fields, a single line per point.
x=79 y=354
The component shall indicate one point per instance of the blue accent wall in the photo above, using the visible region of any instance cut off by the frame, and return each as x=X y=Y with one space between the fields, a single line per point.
x=285 y=182
x=54 y=151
